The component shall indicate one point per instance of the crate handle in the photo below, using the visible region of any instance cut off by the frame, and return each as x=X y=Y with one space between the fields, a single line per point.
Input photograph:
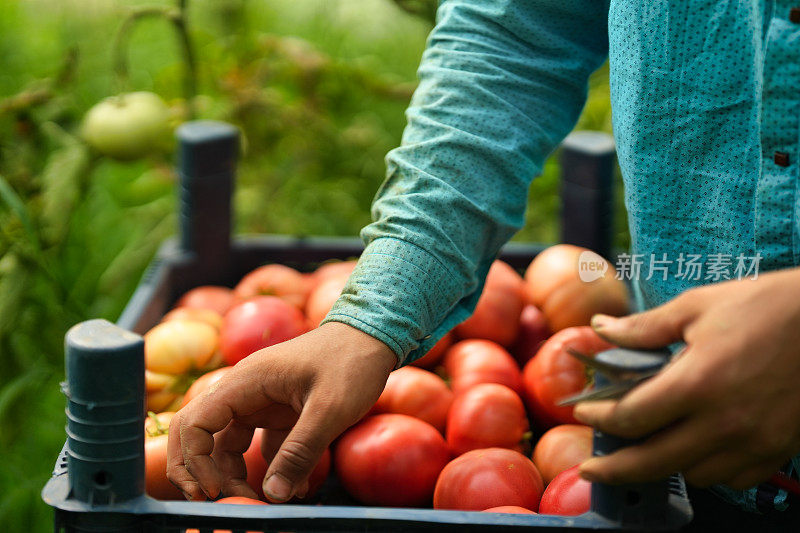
x=207 y=155
x=587 y=179
x=105 y=412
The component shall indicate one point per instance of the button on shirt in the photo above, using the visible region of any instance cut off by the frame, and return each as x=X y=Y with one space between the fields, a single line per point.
x=705 y=95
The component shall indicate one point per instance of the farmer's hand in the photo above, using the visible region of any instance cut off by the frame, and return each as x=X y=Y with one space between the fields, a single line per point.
x=308 y=390
x=725 y=411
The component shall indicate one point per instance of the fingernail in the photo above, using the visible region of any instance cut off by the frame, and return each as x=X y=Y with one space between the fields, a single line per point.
x=579 y=412
x=276 y=487
x=600 y=321
x=585 y=471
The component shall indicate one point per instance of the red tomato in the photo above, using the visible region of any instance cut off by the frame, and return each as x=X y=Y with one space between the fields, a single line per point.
x=561 y=448
x=533 y=332
x=274 y=280
x=155 y=465
x=554 y=267
x=257 y=323
x=434 y=355
x=418 y=393
x=391 y=460
x=492 y=477
x=212 y=297
x=156 y=434
x=330 y=270
x=323 y=297
x=554 y=285
x=257 y=467
x=235 y=500
x=255 y=463
x=568 y=494
x=488 y=415
x=241 y=500
x=574 y=304
x=496 y=316
x=509 y=509
x=209 y=316
x=203 y=383
x=319 y=474
x=553 y=374
x=475 y=361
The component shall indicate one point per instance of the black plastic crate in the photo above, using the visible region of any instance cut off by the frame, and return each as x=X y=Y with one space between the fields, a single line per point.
x=103 y=489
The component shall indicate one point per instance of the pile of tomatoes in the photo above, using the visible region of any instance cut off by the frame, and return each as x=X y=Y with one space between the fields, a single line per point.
x=474 y=424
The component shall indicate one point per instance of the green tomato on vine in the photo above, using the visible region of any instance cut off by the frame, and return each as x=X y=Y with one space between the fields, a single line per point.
x=128 y=126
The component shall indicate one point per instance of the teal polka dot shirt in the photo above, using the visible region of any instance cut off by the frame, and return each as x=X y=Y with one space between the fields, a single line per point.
x=706 y=112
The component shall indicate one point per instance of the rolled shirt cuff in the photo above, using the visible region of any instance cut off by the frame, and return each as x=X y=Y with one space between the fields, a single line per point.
x=402 y=295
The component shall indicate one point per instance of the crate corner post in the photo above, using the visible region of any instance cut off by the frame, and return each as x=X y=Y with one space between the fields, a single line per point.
x=206 y=166
x=587 y=174
x=105 y=421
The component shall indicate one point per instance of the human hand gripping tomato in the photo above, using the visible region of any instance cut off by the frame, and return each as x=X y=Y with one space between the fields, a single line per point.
x=291 y=389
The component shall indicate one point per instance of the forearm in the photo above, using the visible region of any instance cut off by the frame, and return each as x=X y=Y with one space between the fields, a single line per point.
x=501 y=83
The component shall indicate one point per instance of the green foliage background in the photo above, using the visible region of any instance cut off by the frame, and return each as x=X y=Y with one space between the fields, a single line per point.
x=318 y=87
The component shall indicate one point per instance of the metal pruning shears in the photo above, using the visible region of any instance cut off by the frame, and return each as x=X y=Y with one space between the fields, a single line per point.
x=617 y=371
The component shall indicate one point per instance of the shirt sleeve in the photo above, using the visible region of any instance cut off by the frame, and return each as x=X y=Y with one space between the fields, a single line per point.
x=501 y=84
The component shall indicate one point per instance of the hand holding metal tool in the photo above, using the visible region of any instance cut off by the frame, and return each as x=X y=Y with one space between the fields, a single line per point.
x=621 y=369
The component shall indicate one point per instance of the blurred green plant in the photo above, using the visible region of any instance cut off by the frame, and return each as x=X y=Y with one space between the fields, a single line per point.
x=422 y=8
x=318 y=88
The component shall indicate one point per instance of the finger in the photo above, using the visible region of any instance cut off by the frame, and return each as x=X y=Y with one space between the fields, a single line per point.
x=717 y=469
x=209 y=414
x=318 y=424
x=275 y=416
x=655 y=328
x=187 y=485
x=229 y=445
x=660 y=401
x=661 y=455
x=271 y=442
x=753 y=476
x=177 y=473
